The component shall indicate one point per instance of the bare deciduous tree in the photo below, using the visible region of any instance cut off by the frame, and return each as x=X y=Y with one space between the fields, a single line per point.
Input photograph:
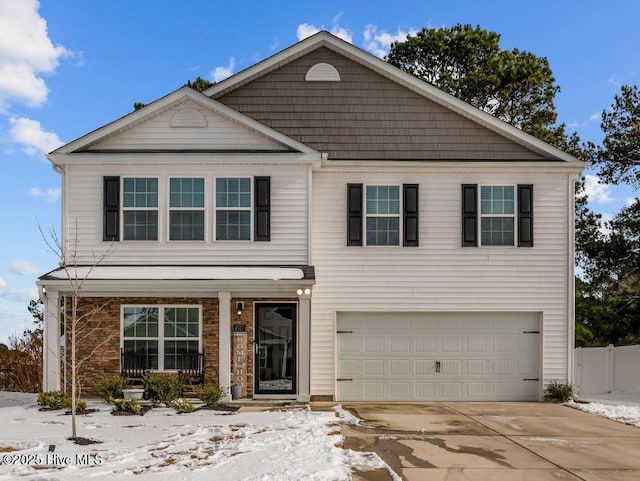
x=78 y=322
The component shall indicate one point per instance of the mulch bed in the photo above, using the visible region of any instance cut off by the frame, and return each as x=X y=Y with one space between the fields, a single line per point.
x=80 y=441
x=219 y=407
x=144 y=408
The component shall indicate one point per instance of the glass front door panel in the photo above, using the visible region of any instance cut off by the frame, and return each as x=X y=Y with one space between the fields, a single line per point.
x=275 y=352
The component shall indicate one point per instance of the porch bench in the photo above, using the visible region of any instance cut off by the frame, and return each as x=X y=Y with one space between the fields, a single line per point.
x=135 y=365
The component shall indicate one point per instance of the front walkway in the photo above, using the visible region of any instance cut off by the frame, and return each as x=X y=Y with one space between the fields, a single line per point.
x=494 y=442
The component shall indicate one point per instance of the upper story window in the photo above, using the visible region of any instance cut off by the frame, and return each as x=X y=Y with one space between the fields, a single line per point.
x=140 y=208
x=186 y=209
x=374 y=213
x=504 y=214
x=233 y=208
x=241 y=208
x=497 y=215
x=383 y=215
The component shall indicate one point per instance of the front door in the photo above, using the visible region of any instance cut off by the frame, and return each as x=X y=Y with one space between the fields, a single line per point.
x=275 y=348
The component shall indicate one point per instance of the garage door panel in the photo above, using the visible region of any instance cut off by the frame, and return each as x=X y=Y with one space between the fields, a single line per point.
x=425 y=345
x=482 y=356
x=400 y=367
x=400 y=344
x=425 y=366
x=476 y=367
x=374 y=344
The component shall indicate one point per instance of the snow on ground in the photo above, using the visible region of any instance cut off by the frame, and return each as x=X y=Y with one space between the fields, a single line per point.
x=629 y=414
x=293 y=444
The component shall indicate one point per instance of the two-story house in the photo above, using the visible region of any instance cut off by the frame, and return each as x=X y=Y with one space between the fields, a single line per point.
x=320 y=225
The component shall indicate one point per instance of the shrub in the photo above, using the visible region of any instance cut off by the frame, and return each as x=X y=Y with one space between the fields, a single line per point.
x=81 y=407
x=131 y=406
x=110 y=387
x=54 y=399
x=209 y=394
x=162 y=388
x=181 y=406
x=558 y=392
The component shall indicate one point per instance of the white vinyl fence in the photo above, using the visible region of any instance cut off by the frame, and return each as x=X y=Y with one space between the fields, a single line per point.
x=600 y=370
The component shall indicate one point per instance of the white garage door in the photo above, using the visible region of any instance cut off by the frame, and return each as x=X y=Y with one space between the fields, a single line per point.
x=438 y=356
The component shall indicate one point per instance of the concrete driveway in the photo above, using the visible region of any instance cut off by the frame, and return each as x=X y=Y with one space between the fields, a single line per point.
x=494 y=442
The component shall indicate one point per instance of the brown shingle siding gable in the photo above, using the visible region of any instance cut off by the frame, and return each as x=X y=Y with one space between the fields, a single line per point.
x=365 y=115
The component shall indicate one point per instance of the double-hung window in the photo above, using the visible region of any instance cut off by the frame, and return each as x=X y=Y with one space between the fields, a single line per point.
x=504 y=214
x=140 y=208
x=233 y=208
x=162 y=335
x=497 y=215
x=382 y=215
x=186 y=209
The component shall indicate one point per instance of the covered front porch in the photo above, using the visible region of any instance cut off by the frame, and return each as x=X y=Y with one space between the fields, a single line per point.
x=233 y=325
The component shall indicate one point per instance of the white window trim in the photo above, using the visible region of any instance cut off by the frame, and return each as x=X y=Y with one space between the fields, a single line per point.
x=161 y=338
x=513 y=216
x=124 y=209
x=216 y=208
x=399 y=215
x=170 y=209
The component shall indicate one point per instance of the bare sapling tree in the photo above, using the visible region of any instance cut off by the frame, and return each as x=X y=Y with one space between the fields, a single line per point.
x=79 y=321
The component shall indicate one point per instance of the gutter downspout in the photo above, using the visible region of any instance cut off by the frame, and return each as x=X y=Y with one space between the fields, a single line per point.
x=58 y=169
x=571 y=281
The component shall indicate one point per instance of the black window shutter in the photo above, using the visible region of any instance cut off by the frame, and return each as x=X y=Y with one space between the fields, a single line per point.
x=525 y=215
x=111 y=221
x=410 y=214
x=262 y=213
x=354 y=214
x=469 y=215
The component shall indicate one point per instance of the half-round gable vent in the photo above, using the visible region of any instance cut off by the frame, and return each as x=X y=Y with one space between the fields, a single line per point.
x=322 y=72
x=188 y=118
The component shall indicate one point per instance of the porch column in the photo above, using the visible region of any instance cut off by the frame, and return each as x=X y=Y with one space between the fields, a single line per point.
x=51 y=342
x=304 y=346
x=224 y=343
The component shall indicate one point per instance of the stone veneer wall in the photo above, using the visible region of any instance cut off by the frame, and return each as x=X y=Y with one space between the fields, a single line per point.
x=100 y=333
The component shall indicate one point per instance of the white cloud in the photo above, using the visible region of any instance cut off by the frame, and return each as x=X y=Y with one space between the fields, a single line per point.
x=596 y=191
x=32 y=136
x=274 y=44
x=2 y=282
x=13 y=321
x=221 y=72
x=305 y=30
x=49 y=195
x=26 y=52
x=24 y=268
x=19 y=294
x=379 y=41
x=631 y=200
x=595 y=116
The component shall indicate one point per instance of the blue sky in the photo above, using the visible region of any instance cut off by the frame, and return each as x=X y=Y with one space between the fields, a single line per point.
x=68 y=67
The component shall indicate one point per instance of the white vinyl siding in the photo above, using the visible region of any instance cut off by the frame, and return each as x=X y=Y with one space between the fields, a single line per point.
x=156 y=133
x=440 y=275
x=289 y=217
